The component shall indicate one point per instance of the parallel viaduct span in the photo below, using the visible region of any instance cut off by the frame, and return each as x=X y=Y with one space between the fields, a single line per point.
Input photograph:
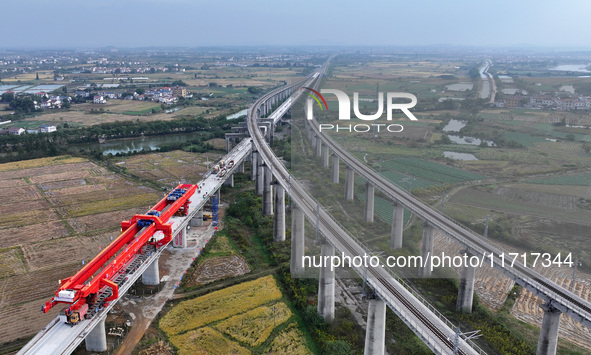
x=104 y=280
x=423 y=319
x=557 y=299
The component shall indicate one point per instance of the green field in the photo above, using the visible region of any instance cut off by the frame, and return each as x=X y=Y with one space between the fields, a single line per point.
x=523 y=138
x=574 y=180
x=430 y=171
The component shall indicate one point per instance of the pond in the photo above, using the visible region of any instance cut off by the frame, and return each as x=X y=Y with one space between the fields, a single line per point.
x=469 y=140
x=454 y=126
x=459 y=156
x=131 y=144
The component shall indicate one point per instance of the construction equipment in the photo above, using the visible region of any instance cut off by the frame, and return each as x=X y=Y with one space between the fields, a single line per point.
x=97 y=283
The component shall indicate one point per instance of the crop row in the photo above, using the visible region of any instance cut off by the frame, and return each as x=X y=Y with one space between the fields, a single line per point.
x=430 y=171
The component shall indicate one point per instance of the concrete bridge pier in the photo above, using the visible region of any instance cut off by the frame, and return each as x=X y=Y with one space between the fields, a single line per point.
x=349 y=184
x=325 y=156
x=240 y=168
x=180 y=239
x=326 y=285
x=375 y=333
x=228 y=145
x=426 y=250
x=296 y=266
x=151 y=276
x=254 y=163
x=197 y=220
x=466 y=289
x=369 y=202
x=335 y=169
x=548 y=339
x=260 y=176
x=319 y=145
x=229 y=181
x=267 y=192
x=96 y=340
x=397 y=227
x=279 y=216
x=314 y=141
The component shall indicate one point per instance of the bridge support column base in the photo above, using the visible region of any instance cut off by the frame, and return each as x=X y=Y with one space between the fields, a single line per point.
x=197 y=220
x=267 y=192
x=296 y=266
x=369 y=202
x=549 y=333
x=426 y=249
x=326 y=285
x=180 y=239
x=279 y=217
x=96 y=340
x=229 y=181
x=375 y=333
x=253 y=166
x=349 y=184
x=397 y=227
x=325 y=156
x=335 y=169
x=318 y=146
x=466 y=290
x=151 y=276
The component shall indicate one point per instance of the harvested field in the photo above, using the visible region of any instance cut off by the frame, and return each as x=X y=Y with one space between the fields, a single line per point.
x=37 y=163
x=218 y=268
x=69 y=175
x=109 y=220
x=46 y=170
x=11 y=262
x=168 y=167
x=54 y=213
x=32 y=233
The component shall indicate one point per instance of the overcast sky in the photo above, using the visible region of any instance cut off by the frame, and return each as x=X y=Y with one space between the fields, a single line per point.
x=194 y=23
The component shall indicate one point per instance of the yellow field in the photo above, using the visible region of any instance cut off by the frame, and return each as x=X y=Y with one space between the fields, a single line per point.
x=112 y=204
x=219 y=305
x=206 y=341
x=37 y=163
x=255 y=326
x=289 y=342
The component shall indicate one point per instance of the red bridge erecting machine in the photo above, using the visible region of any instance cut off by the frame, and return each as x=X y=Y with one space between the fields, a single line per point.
x=102 y=271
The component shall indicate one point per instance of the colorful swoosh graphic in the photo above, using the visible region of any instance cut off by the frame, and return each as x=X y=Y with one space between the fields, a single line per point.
x=315 y=98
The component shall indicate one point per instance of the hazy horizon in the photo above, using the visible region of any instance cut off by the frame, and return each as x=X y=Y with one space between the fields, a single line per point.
x=184 y=23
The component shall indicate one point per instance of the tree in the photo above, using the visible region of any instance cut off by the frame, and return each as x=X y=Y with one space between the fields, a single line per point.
x=178 y=83
x=36 y=76
x=7 y=97
x=140 y=91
